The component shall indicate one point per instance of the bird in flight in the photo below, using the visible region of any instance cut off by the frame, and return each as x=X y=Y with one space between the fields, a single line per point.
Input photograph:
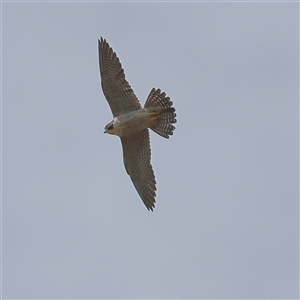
x=131 y=121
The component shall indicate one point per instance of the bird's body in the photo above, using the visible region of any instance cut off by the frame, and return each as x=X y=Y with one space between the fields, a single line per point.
x=131 y=122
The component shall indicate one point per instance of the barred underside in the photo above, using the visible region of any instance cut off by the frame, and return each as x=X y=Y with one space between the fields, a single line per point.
x=137 y=154
x=158 y=102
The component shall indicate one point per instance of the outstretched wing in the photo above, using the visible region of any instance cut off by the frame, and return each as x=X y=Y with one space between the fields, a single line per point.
x=136 y=155
x=116 y=88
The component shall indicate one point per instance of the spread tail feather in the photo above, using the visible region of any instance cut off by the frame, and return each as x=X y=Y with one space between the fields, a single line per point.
x=161 y=105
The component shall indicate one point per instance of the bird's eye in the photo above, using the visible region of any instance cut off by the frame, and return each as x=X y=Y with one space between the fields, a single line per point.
x=109 y=127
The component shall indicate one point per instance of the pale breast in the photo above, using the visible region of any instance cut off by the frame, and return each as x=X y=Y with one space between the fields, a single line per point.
x=134 y=121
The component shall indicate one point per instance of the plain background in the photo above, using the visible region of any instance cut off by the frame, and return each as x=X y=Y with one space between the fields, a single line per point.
x=226 y=223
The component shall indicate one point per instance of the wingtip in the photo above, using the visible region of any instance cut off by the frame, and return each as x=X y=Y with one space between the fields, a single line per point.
x=101 y=43
x=150 y=205
x=150 y=208
x=101 y=40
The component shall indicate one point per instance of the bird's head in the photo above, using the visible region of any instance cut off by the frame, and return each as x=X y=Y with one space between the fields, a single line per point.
x=113 y=127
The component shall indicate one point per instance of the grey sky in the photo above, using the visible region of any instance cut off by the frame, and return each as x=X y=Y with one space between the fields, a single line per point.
x=226 y=223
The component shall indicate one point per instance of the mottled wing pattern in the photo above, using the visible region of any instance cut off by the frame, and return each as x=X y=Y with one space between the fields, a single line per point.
x=116 y=88
x=136 y=155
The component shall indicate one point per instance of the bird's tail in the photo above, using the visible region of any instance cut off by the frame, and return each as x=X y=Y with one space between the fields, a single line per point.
x=161 y=107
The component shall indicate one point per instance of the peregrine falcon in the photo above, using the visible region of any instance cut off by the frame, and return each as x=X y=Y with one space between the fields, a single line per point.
x=131 y=121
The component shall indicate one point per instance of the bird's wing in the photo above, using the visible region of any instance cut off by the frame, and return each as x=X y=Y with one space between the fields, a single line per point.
x=117 y=91
x=136 y=155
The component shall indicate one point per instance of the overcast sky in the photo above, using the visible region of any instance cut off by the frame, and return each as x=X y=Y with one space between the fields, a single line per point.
x=226 y=222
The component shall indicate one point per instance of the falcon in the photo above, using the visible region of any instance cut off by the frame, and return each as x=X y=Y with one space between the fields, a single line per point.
x=131 y=121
